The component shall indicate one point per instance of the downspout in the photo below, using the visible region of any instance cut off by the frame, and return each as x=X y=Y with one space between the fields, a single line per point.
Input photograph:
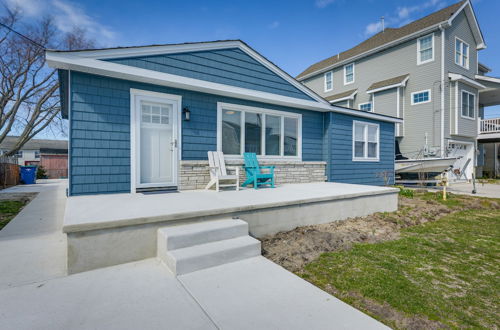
x=442 y=87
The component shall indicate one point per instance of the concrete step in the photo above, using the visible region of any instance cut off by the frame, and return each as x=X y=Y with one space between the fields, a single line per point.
x=190 y=259
x=178 y=237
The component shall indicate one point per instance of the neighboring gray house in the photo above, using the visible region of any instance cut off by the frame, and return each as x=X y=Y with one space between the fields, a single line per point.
x=425 y=72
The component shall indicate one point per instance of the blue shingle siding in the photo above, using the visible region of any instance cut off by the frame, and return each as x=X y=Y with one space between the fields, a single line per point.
x=100 y=130
x=226 y=66
x=339 y=154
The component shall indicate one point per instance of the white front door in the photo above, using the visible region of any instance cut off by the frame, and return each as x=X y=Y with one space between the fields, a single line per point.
x=156 y=141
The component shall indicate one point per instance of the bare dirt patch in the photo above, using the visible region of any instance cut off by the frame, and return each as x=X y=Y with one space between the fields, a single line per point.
x=295 y=248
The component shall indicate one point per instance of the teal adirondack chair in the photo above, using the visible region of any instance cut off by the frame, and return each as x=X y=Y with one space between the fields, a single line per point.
x=254 y=174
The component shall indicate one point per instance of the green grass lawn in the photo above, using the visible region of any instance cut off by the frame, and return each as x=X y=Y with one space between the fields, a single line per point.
x=446 y=273
x=8 y=210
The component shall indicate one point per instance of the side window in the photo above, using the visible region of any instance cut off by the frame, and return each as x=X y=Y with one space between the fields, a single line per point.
x=328 y=81
x=349 y=74
x=425 y=49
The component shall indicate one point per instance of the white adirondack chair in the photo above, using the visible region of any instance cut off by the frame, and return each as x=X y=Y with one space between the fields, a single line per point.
x=218 y=172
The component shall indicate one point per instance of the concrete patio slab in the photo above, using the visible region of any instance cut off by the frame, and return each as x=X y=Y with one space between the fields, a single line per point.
x=32 y=245
x=107 y=211
x=258 y=294
x=142 y=295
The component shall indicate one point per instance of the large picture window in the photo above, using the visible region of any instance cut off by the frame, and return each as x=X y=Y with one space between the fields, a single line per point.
x=365 y=141
x=268 y=133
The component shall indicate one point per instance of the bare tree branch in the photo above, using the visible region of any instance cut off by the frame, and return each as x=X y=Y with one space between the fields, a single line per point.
x=29 y=90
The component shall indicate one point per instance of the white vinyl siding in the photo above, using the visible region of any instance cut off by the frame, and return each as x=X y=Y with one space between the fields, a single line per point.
x=468 y=105
x=268 y=133
x=461 y=53
x=365 y=141
x=349 y=74
x=328 y=81
x=425 y=49
x=421 y=97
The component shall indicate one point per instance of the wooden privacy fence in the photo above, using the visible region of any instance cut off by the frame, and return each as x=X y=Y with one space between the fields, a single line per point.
x=9 y=171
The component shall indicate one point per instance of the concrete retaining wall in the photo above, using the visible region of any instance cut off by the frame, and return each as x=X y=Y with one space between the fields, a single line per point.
x=194 y=173
x=99 y=248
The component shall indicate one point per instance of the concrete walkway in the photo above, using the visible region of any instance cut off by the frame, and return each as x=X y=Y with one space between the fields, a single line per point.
x=489 y=190
x=32 y=245
x=254 y=293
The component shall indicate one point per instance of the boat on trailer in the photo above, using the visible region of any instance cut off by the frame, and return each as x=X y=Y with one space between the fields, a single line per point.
x=424 y=165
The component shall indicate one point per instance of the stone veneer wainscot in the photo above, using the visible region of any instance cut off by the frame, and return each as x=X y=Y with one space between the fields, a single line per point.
x=194 y=174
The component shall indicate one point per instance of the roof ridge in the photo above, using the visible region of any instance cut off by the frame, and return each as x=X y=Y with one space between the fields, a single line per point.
x=383 y=37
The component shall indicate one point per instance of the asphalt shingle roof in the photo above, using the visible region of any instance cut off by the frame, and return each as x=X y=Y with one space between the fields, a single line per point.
x=388 y=82
x=340 y=95
x=35 y=144
x=382 y=38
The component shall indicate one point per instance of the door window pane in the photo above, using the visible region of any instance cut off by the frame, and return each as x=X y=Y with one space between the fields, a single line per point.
x=231 y=132
x=273 y=135
x=253 y=132
x=291 y=129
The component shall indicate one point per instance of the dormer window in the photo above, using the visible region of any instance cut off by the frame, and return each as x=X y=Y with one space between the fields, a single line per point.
x=328 y=81
x=349 y=74
x=425 y=49
x=461 y=53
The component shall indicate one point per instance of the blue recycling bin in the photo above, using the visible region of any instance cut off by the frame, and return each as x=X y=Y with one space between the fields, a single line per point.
x=28 y=174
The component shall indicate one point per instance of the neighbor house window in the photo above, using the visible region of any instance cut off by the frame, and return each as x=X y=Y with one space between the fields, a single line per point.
x=19 y=154
x=365 y=106
x=425 y=49
x=267 y=133
x=468 y=105
x=349 y=74
x=421 y=97
x=328 y=81
x=37 y=154
x=365 y=143
x=461 y=53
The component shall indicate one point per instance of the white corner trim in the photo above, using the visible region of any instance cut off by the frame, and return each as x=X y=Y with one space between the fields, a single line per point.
x=420 y=62
x=443 y=37
x=380 y=89
x=353 y=73
x=345 y=98
x=465 y=80
x=365 y=158
x=418 y=92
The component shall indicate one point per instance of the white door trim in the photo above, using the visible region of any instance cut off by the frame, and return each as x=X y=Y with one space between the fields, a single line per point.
x=134 y=93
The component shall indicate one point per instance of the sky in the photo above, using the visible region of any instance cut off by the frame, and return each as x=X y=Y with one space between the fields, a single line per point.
x=292 y=34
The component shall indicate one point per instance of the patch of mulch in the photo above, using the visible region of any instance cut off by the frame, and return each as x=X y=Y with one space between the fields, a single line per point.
x=295 y=248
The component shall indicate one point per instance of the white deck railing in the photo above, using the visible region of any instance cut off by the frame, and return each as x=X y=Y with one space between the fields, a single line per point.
x=490 y=125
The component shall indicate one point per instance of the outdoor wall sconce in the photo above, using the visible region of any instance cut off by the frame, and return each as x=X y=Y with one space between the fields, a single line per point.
x=187 y=114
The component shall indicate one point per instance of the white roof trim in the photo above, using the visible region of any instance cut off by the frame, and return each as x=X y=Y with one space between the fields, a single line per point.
x=372 y=51
x=471 y=16
x=348 y=97
x=465 y=80
x=181 y=48
x=67 y=61
x=401 y=84
x=480 y=45
x=486 y=78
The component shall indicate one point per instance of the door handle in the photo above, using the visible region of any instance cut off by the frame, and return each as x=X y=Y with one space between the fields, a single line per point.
x=174 y=143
